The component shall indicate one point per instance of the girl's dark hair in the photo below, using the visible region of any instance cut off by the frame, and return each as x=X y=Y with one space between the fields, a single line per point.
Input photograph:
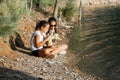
x=53 y=19
x=40 y=24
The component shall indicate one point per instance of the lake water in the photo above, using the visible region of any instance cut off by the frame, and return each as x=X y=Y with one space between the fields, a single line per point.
x=97 y=41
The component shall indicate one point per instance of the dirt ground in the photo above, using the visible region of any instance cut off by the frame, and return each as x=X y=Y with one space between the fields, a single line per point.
x=16 y=63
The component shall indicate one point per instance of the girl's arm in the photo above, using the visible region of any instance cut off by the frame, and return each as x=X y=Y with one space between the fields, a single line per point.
x=38 y=43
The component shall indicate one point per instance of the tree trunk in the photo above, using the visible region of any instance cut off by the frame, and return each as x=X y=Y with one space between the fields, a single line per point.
x=31 y=4
x=80 y=11
x=80 y=17
x=55 y=12
x=39 y=4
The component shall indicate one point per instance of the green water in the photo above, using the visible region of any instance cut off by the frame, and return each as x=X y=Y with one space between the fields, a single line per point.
x=97 y=42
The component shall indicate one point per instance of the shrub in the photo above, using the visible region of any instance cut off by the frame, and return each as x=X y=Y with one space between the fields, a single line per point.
x=10 y=12
x=48 y=2
x=68 y=11
x=43 y=3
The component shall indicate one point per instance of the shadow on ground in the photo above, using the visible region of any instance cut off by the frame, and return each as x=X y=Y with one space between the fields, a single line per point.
x=8 y=74
x=16 y=43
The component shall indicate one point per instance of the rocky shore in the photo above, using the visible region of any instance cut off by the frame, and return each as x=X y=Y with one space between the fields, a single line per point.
x=27 y=67
x=97 y=2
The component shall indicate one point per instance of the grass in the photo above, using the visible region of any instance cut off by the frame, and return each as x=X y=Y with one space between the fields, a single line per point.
x=68 y=11
x=10 y=12
x=48 y=2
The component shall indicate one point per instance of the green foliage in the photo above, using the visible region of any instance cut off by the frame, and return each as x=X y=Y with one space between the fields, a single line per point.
x=10 y=12
x=43 y=2
x=68 y=11
x=35 y=2
x=48 y=2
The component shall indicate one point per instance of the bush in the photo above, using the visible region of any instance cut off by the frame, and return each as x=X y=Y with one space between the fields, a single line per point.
x=43 y=2
x=48 y=2
x=68 y=11
x=10 y=12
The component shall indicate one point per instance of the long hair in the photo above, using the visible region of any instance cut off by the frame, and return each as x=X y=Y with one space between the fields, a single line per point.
x=53 y=19
x=40 y=24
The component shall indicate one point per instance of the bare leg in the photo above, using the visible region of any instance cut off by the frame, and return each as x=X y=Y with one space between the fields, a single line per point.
x=51 y=52
x=46 y=53
x=59 y=48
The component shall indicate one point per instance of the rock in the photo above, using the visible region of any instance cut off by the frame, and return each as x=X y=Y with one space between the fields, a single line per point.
x=2 y=60
x=43 y=70
x=17 y=59
x=60 y=78
x=68 y=27
x=17 y=76
x=5 y=64
x=39 y=79
x=79 y=79
x=65 y=68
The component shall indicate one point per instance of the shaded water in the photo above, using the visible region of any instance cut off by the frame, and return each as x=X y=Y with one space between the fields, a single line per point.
x=97 y=41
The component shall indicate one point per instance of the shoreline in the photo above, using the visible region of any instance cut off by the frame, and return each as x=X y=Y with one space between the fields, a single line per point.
x=26 y=67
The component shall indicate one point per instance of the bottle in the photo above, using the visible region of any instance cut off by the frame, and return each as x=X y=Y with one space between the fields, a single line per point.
x=55 y=36
x=49 y=43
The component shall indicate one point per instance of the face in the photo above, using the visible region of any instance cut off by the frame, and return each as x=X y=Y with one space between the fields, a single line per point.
x=45 y=29
x=52 y=25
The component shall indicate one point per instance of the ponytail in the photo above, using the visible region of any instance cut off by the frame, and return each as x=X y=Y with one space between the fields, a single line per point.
x=40 y=24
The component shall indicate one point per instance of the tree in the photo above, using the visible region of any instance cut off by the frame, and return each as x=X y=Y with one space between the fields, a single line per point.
x=39 y=4
x=10 y=12
x=80 y=16
x=31 y=4
x=55 y=12
x=80 y=11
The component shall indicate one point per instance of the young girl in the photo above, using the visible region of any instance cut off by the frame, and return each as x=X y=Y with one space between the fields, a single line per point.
x=39 y=39
x=53 y=31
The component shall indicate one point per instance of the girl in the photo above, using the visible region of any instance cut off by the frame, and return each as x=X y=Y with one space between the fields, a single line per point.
x=39 y=39
x=53 y=31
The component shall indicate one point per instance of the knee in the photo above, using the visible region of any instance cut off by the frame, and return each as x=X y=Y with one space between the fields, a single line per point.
x=46 y=52
x=65 y=46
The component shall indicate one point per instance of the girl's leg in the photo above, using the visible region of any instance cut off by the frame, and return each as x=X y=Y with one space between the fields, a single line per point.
x=59 y=48
x=41 y=53
x=46 y=53
x=51 y=52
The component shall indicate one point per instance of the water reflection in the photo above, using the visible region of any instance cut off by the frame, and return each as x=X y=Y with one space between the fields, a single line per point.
x=98 y=42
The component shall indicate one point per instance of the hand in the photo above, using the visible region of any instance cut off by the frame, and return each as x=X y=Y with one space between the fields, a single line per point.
x=52 y=31
x=55 y=36
x=54 y=40
x=48 y=37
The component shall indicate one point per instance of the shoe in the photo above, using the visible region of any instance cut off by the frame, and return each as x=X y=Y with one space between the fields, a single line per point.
x=63 y=52
x=55 y=56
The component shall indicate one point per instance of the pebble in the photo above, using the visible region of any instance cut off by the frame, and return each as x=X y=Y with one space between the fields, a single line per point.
x=39 y=68
x=65 y=68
